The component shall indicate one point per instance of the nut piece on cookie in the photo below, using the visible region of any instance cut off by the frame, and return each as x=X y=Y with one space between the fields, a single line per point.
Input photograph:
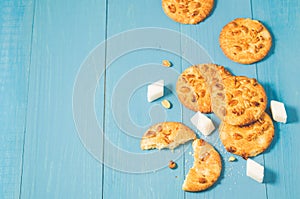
x=206 y=168
x=278 y=111
x=166 y=135
x=155 y=90
x=187 y=11
x=245 y=41
x=203 y=123
x=255 y=170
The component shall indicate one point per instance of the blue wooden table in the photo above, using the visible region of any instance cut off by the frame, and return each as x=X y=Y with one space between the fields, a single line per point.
x=73 y=105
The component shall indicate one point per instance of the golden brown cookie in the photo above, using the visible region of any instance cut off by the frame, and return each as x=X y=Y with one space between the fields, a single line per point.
x=245 y=40
x=192 y=89
x=166 y=135
x=206 y=168
x=245 y=100
x=248 y=141
x=187 y=11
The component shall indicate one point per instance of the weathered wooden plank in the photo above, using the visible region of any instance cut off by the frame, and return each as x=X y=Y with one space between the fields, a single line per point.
x=280 y=74
x=15 y=41
x=128 y=114
x=56 y=164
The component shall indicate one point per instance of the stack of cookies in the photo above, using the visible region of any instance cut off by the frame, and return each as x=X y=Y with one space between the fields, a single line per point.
x=239 y=101
x=246 y=129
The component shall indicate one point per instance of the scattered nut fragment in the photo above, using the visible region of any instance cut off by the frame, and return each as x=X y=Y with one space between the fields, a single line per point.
x=165 y=103
x=172 y=165
x=231 y=159
x=166 y=63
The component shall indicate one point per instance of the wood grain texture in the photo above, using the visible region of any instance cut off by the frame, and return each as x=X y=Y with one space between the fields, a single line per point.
x=126 y=134
x=279 y=74
x=44 y=43
x=56 y=165
x=15 y=47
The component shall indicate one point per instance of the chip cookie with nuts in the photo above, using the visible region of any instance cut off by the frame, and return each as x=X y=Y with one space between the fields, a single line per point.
x=245 y=40
x=206 y=168
x=192 y=89
x=166 y=135
x=245 y=100
x=250 y=140
x=187 y=11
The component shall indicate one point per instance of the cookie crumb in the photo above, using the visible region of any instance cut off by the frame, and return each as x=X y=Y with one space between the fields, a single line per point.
x=172 y=165
x=231 y=159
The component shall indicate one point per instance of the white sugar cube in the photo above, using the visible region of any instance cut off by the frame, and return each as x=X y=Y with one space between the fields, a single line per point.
x=278 y=111
x=203 y=123
x=155 y=90
x=255 y=170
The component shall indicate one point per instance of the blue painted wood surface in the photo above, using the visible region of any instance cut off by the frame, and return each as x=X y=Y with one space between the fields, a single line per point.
x=15 y=51
x=45 y=48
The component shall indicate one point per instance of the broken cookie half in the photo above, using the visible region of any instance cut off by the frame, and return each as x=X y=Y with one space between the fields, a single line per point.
x=166 y=135
x=206 y=168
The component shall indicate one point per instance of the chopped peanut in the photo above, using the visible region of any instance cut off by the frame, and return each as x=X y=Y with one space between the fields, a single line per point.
x=172 y=165
x=166 y=63
x=231 y=159
x=166 y=104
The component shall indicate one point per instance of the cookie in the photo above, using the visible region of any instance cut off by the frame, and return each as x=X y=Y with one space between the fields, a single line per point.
x=166 y=135
x=248 y=141
x=206 y=168
x=245 y=40
x=214 y=76
x=192 y=89
x=245 y=100
x=187 y=11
